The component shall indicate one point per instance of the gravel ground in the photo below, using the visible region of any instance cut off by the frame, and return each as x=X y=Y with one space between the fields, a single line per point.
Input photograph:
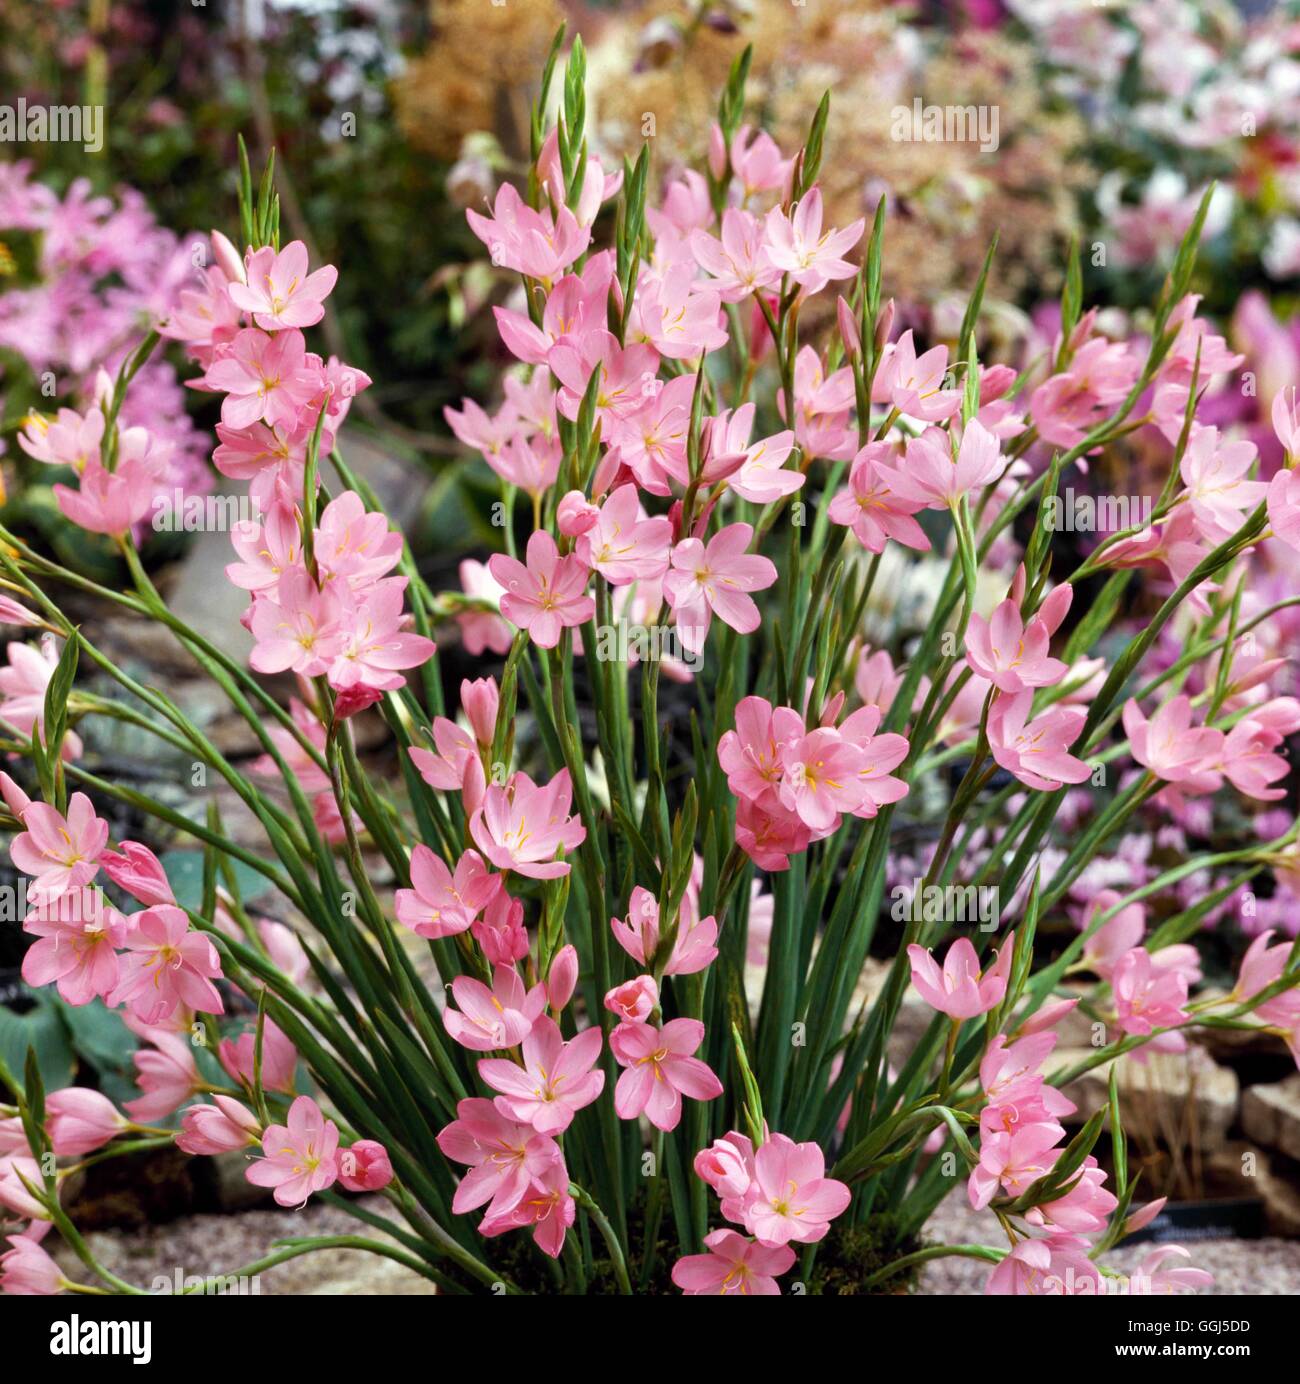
x=1240 y=1267
x=214 y=1244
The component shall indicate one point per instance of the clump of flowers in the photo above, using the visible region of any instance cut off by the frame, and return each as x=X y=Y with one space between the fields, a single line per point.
x=703 y=483
x=93 y=273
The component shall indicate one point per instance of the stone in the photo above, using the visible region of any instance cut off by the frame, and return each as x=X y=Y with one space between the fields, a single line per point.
x=1165 y=1095
x=1270 y=1115
x=229 y=1183
x=1239 y=1169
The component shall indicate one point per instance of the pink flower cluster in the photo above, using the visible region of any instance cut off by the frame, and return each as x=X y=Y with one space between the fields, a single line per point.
x=103 y=265
x=794 y=785
x=781 y=1195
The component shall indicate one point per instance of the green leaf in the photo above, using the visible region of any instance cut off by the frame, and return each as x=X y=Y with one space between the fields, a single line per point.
x=41 y=1031
x=184 y=870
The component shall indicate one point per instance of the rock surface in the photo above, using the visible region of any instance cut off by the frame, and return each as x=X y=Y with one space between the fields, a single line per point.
x=1270 y=1115
x=1172 y=1094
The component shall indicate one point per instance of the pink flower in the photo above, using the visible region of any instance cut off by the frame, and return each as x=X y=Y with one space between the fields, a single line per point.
x=762 y=476
x=597 y=186
x=166 y=1074
x=628 y=376
x=530 y=242
x=440 y=904
x=166 y=965
x=871 y=509
x=501 y=932
x=61 y=855
x=660 y=1070
x=769 y=838
x=822 y=405
x=575 y=306
x=139 y=871
x=750 y=755
x=526 y=241
x=279 y=291
x=820 y=778
x=1012 y=1161
x=530 y=463
x=1009 y=1072
x=1066 y=407
x=1217 y=487
x=26 y=1270
x=78 y=936
x=734 y=1266
x=301 y=1156
x=546 y=1206
x=222 y=1127
x=68 y=440
x=279 y=1058
x=269 y=549
x=914 y=384
x=522 y=826
x=676 y=313
x=1284 y=507
x=714 y=580
x=1286 y=420
x=931 y=477
x=1169 y=747
x=501 y=1017
x=1248 y=761
x=694 y=947
x=738 y=262
x=1150 y=1277
x=79 y=1120
x=1123 y=932
x=23 y=685
x=264 y=378
x=1260 y=967
x=791 y=1197
x=555 y=1082
x=622 y=545
x=1084 y=1210
x=109 y=502
x=878 y=754
x=353 y=544
x=797 y=246
x=1013 y=656
x=372 y=647
x=755 y=159
x=13 y=613
x=961 y=990
x=1056 y=1267
x=505 y=1157
x=1036 y=752
x=456 y=767
x=547 y=595
x=651 y=439
x=635 y=1000
x=562 y=978
x=298 y=627
x=727 y=1165
x=365 y=1166
x=480 y=701
x=1148 y=996
x=575 y=514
